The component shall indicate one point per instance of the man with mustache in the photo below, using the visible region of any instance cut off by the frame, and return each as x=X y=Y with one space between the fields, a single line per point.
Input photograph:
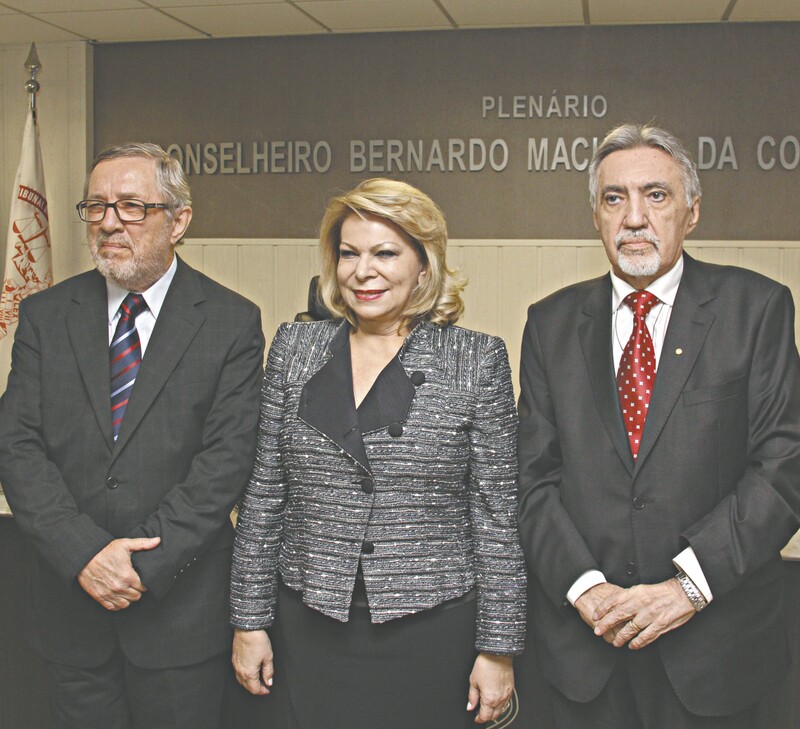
x=659 y=459
x=127 y=432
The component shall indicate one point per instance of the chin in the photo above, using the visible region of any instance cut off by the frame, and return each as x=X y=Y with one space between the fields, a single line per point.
x=639 y=265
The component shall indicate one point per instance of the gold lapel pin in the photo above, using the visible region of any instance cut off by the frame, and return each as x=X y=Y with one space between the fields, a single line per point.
x=679 y=351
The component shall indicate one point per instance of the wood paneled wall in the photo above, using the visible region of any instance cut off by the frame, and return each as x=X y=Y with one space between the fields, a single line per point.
x=505 y=276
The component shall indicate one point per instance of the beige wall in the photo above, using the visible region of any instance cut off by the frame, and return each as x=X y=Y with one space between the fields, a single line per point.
x=505 y=276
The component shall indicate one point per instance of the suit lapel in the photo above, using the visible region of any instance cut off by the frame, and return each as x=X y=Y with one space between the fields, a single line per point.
x=689 y=324
x=327 y=404
x=390 y=399
x=178 y=322
x=594 y=333
x=326 y=401
x=87 y=327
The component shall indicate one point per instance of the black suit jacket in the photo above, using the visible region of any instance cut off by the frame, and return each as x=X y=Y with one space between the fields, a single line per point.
x=718 y=469
x=183 y=455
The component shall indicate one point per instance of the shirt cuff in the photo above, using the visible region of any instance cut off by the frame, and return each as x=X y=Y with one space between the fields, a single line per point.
x=687 y=561
x=586 y=581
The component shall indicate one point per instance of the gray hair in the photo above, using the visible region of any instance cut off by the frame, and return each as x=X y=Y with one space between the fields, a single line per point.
x=632 y=136
x=170 y=179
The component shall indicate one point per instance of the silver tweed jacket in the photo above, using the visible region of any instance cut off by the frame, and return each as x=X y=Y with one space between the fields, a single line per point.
x=419 y=484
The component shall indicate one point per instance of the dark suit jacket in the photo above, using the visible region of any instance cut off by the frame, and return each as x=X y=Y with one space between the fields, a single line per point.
x=718 y=469
x=424 y=471
x=183 y=455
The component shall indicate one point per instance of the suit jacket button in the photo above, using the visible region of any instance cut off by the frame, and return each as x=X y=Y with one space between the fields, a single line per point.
x=631 y=568
x=111 y=482
x=638 y=503
x=367 y=485
x=417 y=378
x=395 y=430
x=367 y=547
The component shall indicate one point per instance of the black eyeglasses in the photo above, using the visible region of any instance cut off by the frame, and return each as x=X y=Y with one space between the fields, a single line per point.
x=128 y=211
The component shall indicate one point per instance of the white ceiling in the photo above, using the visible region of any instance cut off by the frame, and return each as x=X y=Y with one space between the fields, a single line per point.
x=109 y=21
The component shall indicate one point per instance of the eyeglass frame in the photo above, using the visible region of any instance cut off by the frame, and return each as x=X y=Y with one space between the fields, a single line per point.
x=146 y=206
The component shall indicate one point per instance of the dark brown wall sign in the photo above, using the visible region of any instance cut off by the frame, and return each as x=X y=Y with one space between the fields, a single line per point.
x=498 y=126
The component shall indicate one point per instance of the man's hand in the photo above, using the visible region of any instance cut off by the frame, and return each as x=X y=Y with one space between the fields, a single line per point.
x=110 y=578
x=252 y=660
x=588 y=602
x=643 y=613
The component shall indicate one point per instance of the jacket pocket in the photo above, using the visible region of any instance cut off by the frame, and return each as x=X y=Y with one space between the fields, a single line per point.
x=714 y=392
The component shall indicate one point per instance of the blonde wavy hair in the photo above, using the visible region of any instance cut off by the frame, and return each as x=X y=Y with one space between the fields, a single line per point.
x=438 y=297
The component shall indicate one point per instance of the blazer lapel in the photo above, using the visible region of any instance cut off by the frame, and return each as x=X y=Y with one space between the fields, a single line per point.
x=326 y=401
x=178 y=322
x=594 y=333
x=388 y=401
x=688 y=327
x=390 y=398
x=87 y=327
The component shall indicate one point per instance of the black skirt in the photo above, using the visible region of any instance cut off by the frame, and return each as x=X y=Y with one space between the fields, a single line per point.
x=412 y=672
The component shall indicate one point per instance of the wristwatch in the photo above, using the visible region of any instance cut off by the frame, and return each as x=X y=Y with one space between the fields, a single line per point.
x=695 y=596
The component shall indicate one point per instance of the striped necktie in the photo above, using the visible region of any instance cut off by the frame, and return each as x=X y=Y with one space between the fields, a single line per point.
x=125 y=354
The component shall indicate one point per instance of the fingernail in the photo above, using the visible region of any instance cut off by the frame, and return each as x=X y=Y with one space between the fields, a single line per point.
x=470 y=706
x=269 y=682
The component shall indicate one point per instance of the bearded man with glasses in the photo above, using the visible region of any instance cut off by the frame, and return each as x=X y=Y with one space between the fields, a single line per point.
x=127 y=432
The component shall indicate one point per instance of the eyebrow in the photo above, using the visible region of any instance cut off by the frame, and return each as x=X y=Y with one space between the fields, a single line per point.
x=373 y=247
x=655 y=184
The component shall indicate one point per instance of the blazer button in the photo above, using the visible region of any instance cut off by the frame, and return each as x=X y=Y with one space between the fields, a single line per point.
x=395 y=430
x=367 y=547
x=631 y=568
x=367 y=485
x=638 y=503
x=111 y=482
x=417 y=378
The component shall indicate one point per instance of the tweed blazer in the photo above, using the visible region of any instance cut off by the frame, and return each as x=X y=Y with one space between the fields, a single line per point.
x=419 y=484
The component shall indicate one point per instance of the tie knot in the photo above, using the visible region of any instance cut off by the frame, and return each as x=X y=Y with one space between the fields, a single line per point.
x=641 y=302
x=132 y=305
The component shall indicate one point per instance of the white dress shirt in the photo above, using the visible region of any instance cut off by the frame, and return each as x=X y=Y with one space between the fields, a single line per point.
x=665 y=288
x=154 y=298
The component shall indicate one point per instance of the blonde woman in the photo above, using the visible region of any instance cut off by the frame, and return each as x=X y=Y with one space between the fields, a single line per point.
x=378 y=530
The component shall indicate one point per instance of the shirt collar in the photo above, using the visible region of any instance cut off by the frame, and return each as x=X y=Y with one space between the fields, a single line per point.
x=665 y=287
x=154 y=296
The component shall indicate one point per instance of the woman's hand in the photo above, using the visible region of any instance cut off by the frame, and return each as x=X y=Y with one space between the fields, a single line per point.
x=252 y=660
x=491 y=685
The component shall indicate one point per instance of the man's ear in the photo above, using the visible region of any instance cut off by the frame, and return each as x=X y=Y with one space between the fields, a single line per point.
x=180 y=223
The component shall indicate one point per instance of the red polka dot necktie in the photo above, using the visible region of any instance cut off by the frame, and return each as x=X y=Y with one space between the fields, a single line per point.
x=637 y=369
x=125 y=354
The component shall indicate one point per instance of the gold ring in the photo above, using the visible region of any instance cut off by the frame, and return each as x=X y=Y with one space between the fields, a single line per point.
x=634 y=626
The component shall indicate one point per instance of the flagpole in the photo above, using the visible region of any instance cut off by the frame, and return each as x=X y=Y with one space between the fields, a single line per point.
x=34 y=65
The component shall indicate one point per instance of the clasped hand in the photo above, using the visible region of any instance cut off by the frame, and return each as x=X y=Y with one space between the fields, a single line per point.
x=636 y=616
x=109 y=577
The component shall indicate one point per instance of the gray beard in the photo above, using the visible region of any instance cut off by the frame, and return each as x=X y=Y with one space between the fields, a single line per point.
x=137 y=273
x=639 y=264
